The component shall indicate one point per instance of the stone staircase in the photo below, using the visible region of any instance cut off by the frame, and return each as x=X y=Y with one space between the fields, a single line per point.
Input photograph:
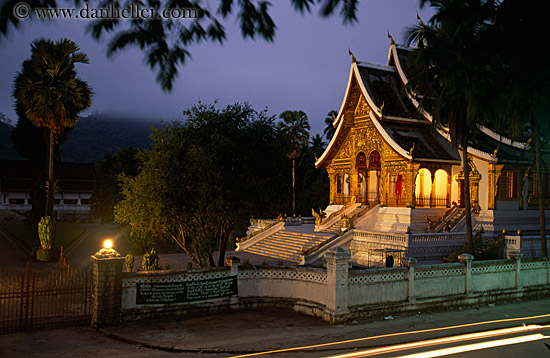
x=336 y=228
x=451 y=220
x=287 y=245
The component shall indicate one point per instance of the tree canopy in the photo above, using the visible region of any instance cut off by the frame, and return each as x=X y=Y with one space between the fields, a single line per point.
x=166 y=42
x=203 y=178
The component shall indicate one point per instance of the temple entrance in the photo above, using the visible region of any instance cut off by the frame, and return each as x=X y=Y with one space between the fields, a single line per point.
x=361 y=167
x=423 y=188
x=373 y=176
x=440 y=192
x=432 y=191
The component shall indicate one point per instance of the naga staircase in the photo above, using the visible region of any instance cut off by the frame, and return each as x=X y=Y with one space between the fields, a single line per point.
x=337 y=226
x=287 y=245
x=290 y=244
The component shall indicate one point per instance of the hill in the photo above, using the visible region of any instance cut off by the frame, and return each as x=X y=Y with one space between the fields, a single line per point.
x=100 y=134
x=6 y=150
x=93 y=137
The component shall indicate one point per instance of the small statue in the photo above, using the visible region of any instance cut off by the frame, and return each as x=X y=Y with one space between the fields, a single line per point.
x=318 y=216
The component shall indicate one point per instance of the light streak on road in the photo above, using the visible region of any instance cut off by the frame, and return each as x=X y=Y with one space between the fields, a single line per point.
x=362 y=339
x=477 y=346
x=453 y=339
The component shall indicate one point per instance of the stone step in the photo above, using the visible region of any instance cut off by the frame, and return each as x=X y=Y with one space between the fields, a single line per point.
x=271 y=251
x=275 y=255
x=285 y=246
x=273 y=246
x=300 y=237
x=301 y=234
x=297 y=241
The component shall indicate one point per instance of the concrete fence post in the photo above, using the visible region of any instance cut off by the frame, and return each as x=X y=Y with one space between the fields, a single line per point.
x=337 y=284
x=517 y=255
x=467 y=259
x=410 y=262
x=234 y=263
x=106 y=288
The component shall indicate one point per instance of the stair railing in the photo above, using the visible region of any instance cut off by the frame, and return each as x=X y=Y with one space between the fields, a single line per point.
x=333 y=218
x=245 y=243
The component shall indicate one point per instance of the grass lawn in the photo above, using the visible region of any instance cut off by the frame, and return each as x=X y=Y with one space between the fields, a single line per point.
x=27 y=236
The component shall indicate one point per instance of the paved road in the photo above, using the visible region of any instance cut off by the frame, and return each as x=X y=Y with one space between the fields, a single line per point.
x=282 y=334
x=520 y=341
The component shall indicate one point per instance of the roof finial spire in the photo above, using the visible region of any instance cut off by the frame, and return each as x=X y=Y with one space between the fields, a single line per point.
x=353 y=59
x=412 y=149
x=391 y=38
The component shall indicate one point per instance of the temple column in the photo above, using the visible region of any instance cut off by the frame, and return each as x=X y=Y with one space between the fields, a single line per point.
x=432 y=190
x=412 y=170
x=449 y=182
x=332 y=185
x=494 y=174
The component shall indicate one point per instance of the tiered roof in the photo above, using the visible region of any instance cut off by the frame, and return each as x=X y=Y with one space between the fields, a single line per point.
x=401 y=123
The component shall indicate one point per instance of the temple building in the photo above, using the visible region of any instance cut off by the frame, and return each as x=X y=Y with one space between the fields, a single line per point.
x=397 y=184
x=385 y=152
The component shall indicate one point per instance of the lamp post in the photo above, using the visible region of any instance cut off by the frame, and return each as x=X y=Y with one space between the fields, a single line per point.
x=106 y=285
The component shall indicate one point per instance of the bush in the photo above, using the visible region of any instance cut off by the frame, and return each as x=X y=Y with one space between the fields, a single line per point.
x=46 y=232
x=129 y=260
x=44 y=255
x=151 y=261
x=481 y=249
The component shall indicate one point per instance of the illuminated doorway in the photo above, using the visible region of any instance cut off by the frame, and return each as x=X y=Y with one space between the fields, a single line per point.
x=373 y=176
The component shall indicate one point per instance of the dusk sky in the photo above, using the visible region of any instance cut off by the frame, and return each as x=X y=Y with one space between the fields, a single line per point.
x=305 y=68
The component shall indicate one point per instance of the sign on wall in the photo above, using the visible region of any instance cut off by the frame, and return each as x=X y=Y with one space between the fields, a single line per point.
x=185 y=291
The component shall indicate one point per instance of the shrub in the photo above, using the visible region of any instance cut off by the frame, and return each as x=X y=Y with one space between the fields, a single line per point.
x=46 y=232
x=129 y=260
x=151 y=261
x=43 y=254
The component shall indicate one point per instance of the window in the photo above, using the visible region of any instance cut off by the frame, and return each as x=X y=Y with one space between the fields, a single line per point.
x=508 y=185
x=544 y=185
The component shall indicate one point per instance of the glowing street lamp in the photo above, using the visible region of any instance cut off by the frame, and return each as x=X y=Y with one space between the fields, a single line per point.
x=107 y=251
x=107 y=243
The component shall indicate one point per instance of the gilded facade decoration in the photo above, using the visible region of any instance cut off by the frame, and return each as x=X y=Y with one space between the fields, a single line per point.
x=475 y=178
x=346 y=149
x=362 y=108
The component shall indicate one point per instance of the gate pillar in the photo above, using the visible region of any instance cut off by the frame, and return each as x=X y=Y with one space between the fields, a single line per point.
x=106 y=288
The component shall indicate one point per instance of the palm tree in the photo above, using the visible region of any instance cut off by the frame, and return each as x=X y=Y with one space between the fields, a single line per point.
x=51 y=94
x=523 y=79
x=446 y=63
x=317 y=146
x=294 y=129
x=329 y=130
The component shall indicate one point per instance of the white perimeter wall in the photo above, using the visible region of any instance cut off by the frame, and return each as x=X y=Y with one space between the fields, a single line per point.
x=340 y=294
